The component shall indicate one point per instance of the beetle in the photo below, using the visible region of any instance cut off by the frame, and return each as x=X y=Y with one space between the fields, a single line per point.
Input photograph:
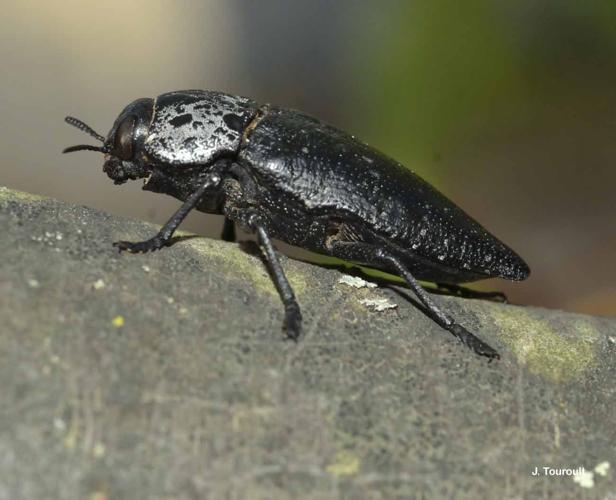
x=283 y=174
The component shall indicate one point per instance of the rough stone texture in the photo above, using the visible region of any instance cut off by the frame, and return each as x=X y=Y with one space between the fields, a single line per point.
x=166 y=376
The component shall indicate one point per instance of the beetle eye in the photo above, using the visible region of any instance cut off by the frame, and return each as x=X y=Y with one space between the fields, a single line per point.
x=124 y=139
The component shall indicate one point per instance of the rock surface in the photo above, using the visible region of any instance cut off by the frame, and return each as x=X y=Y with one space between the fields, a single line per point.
x=166 y=376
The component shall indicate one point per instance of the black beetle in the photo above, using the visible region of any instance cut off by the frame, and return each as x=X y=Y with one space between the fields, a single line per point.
x=286 y=175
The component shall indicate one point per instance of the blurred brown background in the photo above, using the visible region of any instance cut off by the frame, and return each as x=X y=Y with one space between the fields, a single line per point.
x=509 y=108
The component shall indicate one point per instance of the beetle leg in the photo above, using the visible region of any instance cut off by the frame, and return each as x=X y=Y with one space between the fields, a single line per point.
x=166 y=232
x=370 y=254
x=293 y=316
x=468 y=293
x=228 y=230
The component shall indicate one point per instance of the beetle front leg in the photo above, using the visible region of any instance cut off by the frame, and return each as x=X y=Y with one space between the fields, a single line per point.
x=370 y=254
x=293 y=316
x=164 y=235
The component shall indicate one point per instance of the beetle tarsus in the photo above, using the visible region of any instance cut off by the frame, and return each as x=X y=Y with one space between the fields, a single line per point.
x=473 y=343
x=150 y=245
x=292 y=321
x=468 y=293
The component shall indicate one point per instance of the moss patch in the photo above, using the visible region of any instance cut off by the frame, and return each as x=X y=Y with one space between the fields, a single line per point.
x=7 y=194
x=547 y=351
x=345 y=463
x=245 y=266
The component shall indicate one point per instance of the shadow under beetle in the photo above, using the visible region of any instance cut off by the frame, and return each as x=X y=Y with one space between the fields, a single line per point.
x=286 y=175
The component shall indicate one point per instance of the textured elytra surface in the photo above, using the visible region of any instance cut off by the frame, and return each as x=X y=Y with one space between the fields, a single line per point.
x=297 y=157
x=166 y=376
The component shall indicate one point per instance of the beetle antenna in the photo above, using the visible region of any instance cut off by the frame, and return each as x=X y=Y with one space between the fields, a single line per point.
x=83 y=147
x=82 y=126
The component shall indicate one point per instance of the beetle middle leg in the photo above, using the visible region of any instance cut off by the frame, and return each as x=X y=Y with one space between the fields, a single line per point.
x=371 y=254
x=293 y=316
x=164 y=235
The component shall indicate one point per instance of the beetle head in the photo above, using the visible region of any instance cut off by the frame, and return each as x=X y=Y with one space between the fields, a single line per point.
x=125 y=156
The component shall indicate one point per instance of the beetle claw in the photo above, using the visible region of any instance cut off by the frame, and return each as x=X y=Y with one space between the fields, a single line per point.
x=478 y=346
x=150 y=245
x=293 y=323
x=483 y=349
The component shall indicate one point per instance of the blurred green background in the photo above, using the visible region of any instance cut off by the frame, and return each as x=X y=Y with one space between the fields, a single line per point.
x=509 y=108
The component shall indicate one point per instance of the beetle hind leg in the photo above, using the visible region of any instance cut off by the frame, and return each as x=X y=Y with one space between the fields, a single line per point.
x=469 y=293
x=373 y=255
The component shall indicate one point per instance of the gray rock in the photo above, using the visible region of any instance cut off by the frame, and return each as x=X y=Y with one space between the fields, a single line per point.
x=167 y=376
